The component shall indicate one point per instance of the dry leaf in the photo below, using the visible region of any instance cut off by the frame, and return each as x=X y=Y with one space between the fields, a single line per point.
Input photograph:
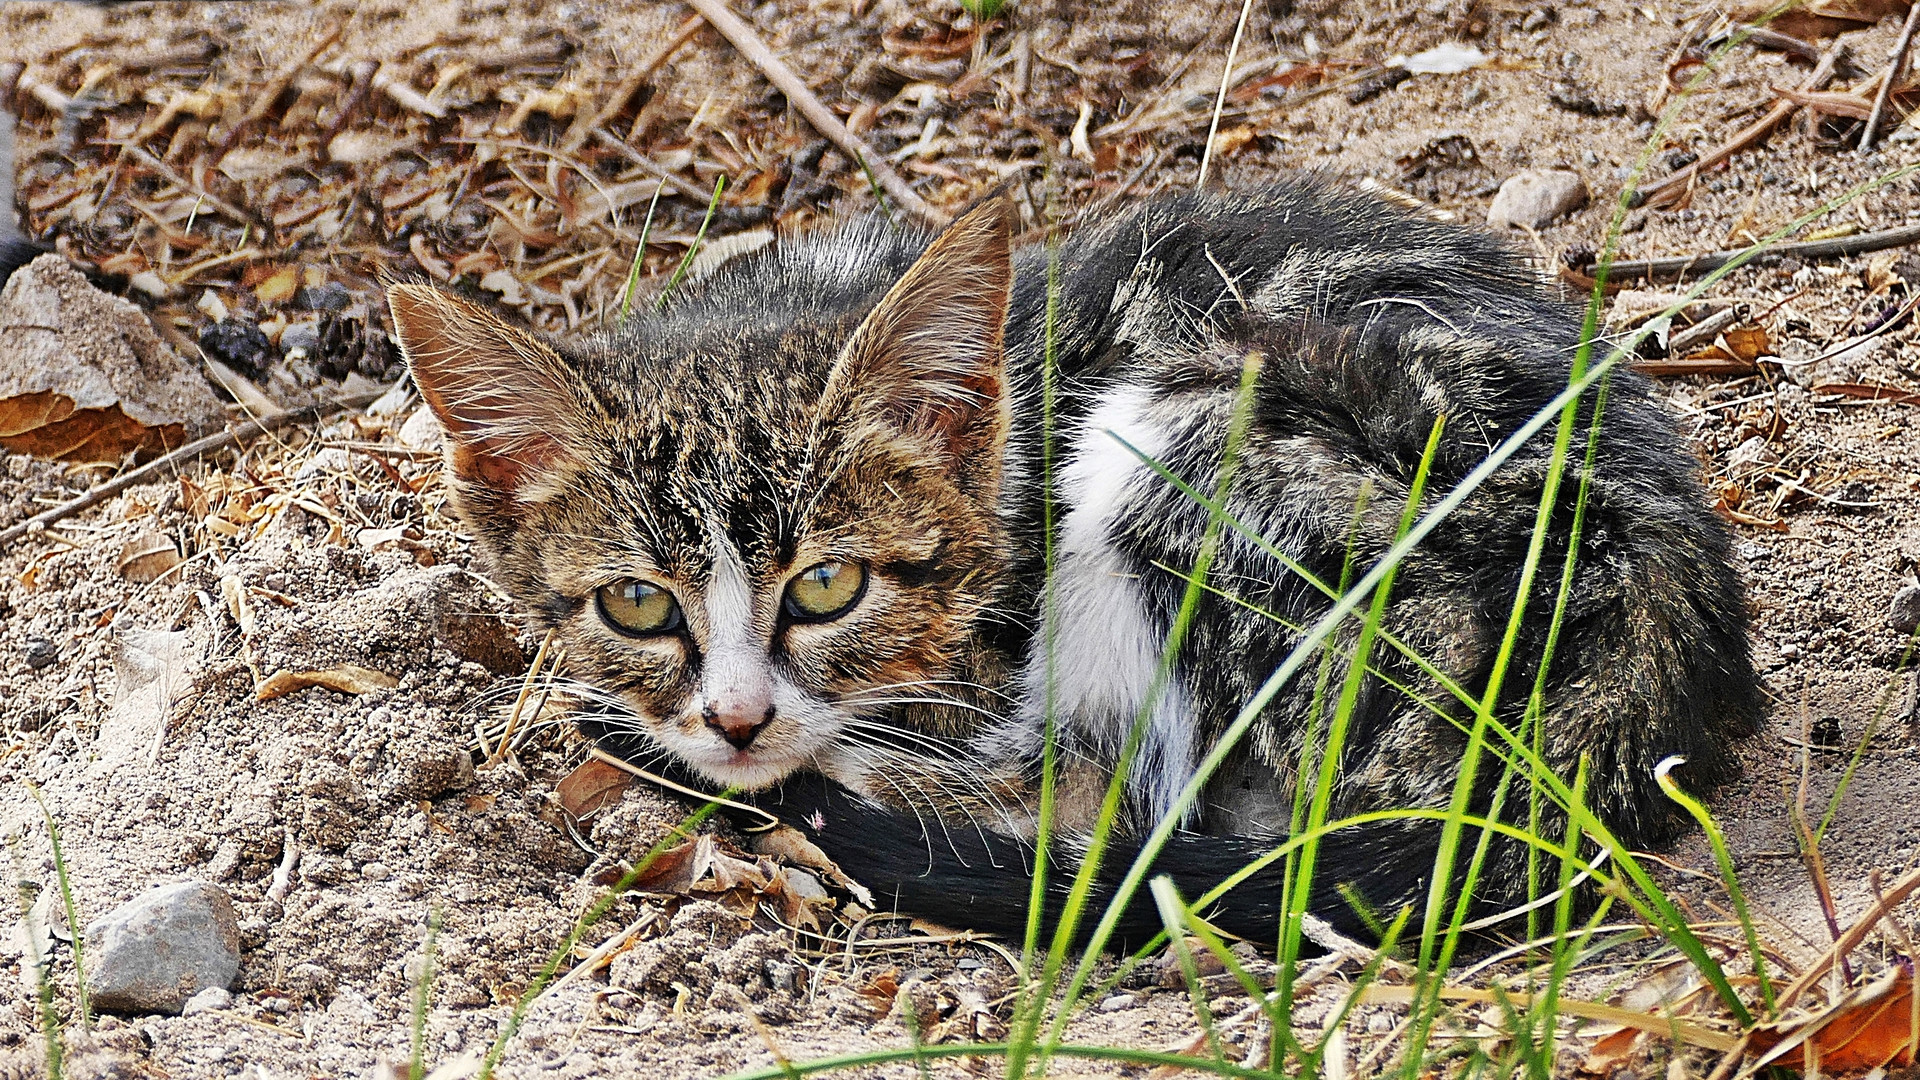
x=1817 y=18
x=279 y=287
x=1879 y=276
x=1871 y=1027
x=1611 y=1051
x=1746 y=343
x=152 y=668
x=346 y=678
x=591 y=788
x=146 y=558
x=792 y=845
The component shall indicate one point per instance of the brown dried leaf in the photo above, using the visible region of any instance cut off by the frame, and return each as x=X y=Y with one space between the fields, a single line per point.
x=346 y=678
x=1746 y=343
x=1611 y=1051
x=786 y=842
x=1873 y=1027
x=278 y=287
x=146 y=558
x=674 y=871
x=83 y=376
x=591 y=788
x=1817 y=18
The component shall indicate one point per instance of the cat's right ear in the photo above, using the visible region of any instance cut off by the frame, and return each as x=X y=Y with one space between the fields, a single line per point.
x=929 y=360
x=504 y=397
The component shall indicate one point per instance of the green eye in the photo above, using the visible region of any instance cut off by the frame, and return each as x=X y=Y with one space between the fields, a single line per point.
x=825 y=591
x=638 y=607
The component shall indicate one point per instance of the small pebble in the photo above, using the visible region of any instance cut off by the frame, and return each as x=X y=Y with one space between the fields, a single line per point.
x=1903 y=612
x=212 y=999
x=41 y=653
x=1118 y=1002
x=301 y=335
x=375 y=871
x=1790 y=651
x=1536 y=198
x=327 y=296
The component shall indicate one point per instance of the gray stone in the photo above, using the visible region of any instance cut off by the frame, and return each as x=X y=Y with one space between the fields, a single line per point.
x=1536 y=198
x=83 y=376
x=153 y=953
x=1903 y=613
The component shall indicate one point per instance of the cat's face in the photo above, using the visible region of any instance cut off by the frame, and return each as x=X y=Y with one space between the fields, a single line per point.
x=751 y=546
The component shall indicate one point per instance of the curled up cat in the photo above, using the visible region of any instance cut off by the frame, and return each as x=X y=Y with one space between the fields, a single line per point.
x=843 y=525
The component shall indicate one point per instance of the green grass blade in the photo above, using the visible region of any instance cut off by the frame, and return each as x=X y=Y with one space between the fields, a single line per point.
x=1173 y=915
x=82 y=1003
x=422 y=997
x=639 y=254
x=1049 y=763
x=693 y=249
x=1089 y=869
x=1663 y=775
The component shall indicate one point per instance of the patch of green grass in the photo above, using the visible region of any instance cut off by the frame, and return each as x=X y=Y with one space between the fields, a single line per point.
x=1518 y=750
x=640 y=252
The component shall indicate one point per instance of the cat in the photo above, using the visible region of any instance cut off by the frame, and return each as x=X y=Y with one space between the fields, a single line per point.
x=793 y=530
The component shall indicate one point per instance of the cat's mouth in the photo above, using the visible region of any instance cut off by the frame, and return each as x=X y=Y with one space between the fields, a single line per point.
x=749 y=770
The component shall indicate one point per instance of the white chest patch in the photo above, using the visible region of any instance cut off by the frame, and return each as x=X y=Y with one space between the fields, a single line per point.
x=1106 y=642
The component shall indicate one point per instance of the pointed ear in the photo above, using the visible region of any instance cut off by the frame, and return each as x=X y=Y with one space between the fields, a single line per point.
x=506 y=400
x=928 y=361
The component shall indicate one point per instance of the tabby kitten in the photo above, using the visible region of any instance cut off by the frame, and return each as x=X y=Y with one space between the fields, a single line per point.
x=790 y=529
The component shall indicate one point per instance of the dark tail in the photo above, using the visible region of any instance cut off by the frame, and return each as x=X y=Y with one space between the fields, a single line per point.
x=972 y=879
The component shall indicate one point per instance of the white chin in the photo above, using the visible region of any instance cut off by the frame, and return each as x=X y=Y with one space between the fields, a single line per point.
x=748 y=772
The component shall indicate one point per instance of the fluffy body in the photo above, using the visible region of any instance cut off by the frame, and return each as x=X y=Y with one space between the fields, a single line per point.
x=864 y=398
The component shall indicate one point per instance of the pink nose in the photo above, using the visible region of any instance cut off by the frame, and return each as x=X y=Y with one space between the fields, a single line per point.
x=739 y=720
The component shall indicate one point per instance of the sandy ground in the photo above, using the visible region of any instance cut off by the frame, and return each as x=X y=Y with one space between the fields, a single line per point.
x=368 y=807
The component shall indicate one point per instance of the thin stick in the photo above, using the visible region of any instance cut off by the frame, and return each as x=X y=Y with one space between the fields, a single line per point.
x=1893 y=74
x=1220 y=102
x=816 y=111
x=236 y=213
x=1669 y=191
x=767 y=819
x=680 y=185
x=629 y=86
x=1678 y=265
x=166 y=462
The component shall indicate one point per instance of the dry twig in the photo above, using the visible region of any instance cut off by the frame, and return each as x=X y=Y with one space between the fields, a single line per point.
x=816 y=111
x=1670 y=190
x=171 y=461
x=1839 y=247
x=1894 y=68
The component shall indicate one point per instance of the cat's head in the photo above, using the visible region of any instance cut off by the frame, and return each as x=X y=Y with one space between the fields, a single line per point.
x=751 y=538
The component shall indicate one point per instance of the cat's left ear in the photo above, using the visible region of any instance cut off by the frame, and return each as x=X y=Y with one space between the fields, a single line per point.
x=929 y=360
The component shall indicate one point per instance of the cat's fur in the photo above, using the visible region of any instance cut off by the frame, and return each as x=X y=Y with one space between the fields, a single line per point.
x=872 y=397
